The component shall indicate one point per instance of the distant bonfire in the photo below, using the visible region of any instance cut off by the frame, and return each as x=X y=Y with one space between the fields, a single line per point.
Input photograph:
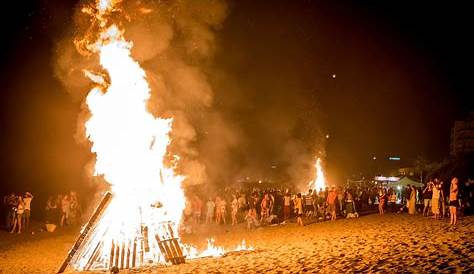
x=319 y=181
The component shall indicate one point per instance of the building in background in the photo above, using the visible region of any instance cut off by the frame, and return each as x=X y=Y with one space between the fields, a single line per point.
x=462 y=137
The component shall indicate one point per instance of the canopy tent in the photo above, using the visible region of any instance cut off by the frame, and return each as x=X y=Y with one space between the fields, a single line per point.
x=403 y=182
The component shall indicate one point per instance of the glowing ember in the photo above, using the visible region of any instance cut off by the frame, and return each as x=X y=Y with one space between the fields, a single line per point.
x=319 y=181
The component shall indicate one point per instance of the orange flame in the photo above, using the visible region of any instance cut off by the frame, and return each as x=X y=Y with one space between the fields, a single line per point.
x=319 y=181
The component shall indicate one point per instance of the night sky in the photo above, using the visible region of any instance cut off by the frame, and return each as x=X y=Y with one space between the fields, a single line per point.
x=402 y=78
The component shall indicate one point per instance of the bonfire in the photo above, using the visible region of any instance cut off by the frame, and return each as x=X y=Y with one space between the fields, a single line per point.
x=136 y=223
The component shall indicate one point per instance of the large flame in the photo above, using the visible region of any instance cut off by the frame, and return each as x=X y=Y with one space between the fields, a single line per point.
x=130 y=145
x=319 y=181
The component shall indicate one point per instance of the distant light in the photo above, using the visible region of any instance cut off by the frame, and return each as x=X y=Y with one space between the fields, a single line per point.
x=274 y=166
x=399 y=187
x=387 y=179
x=374 y=158
x=334 y=76
x=394 y=158
x=327 y=136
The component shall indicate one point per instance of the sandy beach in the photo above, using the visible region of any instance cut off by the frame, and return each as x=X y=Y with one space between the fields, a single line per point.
x=391 y=243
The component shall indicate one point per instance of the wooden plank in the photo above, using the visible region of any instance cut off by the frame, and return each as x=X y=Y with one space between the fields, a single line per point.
x=85 y=231
x=127 y=264
x=122 y=255
x=112 y=254
x=176 y=244
x=134 y=252
x=161 y=247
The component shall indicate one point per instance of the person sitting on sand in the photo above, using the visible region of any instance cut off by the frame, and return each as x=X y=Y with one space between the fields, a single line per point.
x=251 y=218
x=453 y=201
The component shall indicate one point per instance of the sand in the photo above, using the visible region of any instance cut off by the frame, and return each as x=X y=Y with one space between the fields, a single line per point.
x=391 y=243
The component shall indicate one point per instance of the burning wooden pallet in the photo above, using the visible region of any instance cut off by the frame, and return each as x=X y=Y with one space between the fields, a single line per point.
x=124 y=254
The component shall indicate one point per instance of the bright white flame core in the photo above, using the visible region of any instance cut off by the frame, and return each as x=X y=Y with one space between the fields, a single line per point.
x=319 y=181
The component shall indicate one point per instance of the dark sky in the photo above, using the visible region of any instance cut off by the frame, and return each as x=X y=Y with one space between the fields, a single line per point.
x=402 y=78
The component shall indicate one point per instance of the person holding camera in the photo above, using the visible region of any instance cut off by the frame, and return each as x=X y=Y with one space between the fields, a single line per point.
x=427 y=196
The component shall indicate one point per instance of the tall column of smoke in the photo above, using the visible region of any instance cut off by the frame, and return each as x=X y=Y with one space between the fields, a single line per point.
x=174 y=41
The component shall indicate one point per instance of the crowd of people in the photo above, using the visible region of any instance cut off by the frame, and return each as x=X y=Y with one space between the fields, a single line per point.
x=60 y=210
x=257 y=207
x=18 y=211
x=63 y=209
x=435 y=200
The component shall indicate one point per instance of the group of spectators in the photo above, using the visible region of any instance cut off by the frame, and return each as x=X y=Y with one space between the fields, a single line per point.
x=435 y=200
x=63 y=209
x=259 y=207
x=18 y=211
x=60 y=210
x=432 y=198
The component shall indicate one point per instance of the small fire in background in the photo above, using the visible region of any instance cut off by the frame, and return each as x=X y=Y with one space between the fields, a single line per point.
x=319 y=181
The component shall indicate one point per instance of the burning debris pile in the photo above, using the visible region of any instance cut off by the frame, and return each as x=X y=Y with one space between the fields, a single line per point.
x=136 y=224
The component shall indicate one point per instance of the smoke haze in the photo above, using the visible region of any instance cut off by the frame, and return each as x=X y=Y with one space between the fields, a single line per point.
x=223 y=131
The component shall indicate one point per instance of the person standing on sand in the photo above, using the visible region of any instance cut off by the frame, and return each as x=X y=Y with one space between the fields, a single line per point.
x=382 y=198
x=26 y=215
x=11 y=202
x=393 y=201
x=340 y=200
x=235 y=208
x=427 y=197
x=331 y=200
x=299 y=209
x=453 y=201
x=435 y=200
x=210 y=205
x=20 y=209
x=412 y=201
x=286 y=205
x=442 y=201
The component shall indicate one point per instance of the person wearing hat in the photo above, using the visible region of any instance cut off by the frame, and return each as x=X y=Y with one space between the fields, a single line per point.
x=28 y=197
